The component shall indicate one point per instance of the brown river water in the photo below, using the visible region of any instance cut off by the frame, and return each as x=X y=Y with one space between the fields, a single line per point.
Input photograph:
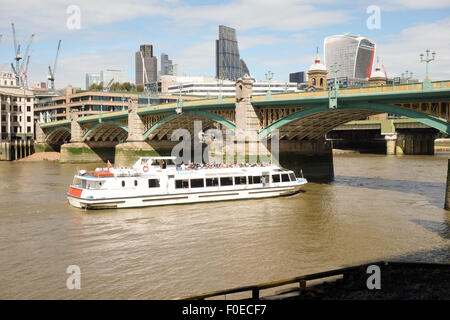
x=379 y=207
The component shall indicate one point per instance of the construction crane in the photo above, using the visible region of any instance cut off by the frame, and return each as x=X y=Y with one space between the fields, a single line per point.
x=384 y=69
x=108 y=85
x=18 y=67
x=51 y=75
x=25 y=72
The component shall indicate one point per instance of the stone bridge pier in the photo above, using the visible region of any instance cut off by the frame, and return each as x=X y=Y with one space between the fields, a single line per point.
x=312 y=158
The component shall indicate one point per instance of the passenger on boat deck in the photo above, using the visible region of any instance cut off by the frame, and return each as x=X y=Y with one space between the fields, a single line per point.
x=198 y=166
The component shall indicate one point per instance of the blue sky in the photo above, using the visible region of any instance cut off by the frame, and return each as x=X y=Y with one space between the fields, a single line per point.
x=280 y=36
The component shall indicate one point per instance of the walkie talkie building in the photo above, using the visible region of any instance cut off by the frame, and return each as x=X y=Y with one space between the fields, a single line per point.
x=352 y=54
x=229 y=66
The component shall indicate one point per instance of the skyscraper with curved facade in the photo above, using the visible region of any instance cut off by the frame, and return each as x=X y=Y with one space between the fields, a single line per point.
x=353 y=55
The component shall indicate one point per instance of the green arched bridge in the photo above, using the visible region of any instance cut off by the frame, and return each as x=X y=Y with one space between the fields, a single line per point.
x=297 y=116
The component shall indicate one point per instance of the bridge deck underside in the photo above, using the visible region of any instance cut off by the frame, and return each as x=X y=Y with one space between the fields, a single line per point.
x=59 y=137
x=165 y=130
x=107 y=132
x=317 y=125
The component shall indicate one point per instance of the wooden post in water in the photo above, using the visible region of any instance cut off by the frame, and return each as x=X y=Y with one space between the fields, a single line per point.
x=447 y=188
x=15 y=149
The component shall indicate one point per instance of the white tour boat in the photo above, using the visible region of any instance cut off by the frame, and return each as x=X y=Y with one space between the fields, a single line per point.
x=154 y=181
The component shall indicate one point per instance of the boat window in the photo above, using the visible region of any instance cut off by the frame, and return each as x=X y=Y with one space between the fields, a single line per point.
x=226 y=181
x=181 y=184
x=250 y=180
x=256 y=179
x=276 y=178
x=123 y=183
x=153 y=183
x=292 y=176
x=197 y=183
x=212 y=182
x=83 y=183
x=135 y=183
x=240 y=180
x=285 y=177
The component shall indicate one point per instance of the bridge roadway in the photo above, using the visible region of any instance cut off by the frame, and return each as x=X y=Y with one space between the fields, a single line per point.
x=301 y=118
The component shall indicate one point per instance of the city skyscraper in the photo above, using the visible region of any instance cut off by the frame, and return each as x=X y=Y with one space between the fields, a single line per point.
x=229 y=65
x=166 y=65
x=353 y=55
x=146 y=65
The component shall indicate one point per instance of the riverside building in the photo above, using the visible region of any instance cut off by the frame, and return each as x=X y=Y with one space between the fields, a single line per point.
x=16 y=109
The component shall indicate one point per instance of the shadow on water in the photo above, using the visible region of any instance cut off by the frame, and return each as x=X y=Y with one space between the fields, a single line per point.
x=435 y=191
x=442 y=229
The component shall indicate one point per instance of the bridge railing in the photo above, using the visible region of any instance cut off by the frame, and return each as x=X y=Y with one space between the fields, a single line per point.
x=304 y=94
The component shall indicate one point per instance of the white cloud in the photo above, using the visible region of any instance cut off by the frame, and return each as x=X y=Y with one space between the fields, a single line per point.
x=401 y=52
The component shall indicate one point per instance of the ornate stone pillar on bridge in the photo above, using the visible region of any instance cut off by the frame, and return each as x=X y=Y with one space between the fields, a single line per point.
x=135 y=146
x=314 y=158
x=77 y=150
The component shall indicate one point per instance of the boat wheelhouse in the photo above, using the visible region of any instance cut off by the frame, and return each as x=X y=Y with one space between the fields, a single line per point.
x=154 y=181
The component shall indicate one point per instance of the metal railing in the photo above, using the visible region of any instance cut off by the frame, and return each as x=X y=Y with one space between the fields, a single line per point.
x=302 y=280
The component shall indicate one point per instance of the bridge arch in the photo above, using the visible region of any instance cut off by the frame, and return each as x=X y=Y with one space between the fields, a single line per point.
x=353 y=114
x=194 y=113
x=106 y=130
x=58 y=135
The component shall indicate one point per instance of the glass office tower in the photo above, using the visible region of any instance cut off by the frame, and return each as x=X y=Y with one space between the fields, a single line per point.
x=229 y=66
x=352 y=54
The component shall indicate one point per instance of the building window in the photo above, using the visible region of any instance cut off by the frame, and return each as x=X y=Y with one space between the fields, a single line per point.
x=28 y=108
x=3 y=118
x=28 y=118
x=28 y=129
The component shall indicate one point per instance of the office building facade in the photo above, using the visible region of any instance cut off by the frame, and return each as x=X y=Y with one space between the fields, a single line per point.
x=298 y=77
x=229 y=65
x=146 y=65
x=353 y=56
x=166 y=65
x=112 y=76
x=16 y=109
x=92 y=78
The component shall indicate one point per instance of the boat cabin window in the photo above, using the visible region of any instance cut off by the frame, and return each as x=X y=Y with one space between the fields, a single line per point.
x=135 y=183
x=197 y=183
x=181 y=184
x=212 y=182
x=83 y=183
x=123 y=183
x=153 y=183
x=240 y=180
x=256 y=179
x=276 y=178
x=292 y=176
x=226 y=181
x=89 y=184
x=285 y=177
